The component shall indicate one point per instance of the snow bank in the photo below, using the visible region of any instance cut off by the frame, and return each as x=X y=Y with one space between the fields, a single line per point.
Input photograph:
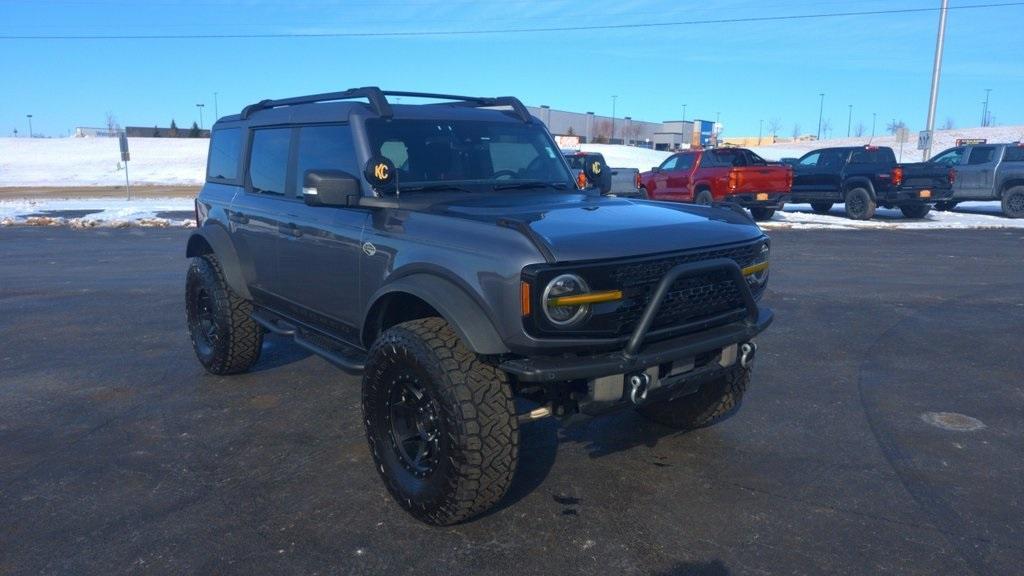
x=95 y=161
x=618 y=156
x=967 y=215
x=98 y=212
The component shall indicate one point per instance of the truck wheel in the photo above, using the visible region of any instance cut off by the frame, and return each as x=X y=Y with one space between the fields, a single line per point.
x=441 y=424
x=224 y=335
x=761 y=214
x=821 y=207
x=643 y=193
x=1013 y=202
x=945 y=206
x=704 y=198
x=916 y=211
x=713 y=400
x=859 y=205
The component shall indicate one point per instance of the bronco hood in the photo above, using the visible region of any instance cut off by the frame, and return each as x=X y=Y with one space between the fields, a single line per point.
x=575 y=227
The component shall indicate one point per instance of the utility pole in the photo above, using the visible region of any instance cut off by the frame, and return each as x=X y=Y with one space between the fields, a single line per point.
x=200 y=106
x=29 y=116
x=760 y=127
x=936 y=72
x=849 y=121
x=874 y=116
x=216 y=112
x=984 y=108
x=821 y=110
x=614 y=98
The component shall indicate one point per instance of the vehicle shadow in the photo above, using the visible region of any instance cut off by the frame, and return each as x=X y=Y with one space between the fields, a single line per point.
x=279 y=351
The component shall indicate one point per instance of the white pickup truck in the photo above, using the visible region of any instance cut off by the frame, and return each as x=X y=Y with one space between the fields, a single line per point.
x=611 y=181
x=987 y=172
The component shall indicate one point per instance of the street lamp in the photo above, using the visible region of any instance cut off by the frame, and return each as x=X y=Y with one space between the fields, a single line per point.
x=684 y=112
x=874 y=115
x=200 y=106
x=216 y=113
x=760 y=126
x=821 y=110
x=29 y=116
x=849 y=121
x=614 y=98
x=984 y=108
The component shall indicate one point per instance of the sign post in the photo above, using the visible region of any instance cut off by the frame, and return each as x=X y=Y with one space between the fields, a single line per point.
x=924 y=140
x=125 y=157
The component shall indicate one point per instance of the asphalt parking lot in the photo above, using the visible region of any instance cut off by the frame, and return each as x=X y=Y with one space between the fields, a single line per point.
x=118 y=454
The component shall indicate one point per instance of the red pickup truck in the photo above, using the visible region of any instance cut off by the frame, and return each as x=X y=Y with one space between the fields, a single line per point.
x=721 y=175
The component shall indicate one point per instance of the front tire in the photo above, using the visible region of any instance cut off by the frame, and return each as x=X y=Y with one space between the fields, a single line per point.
x=915 y=211
x=704 y=198
x=1013 y=202
x=643 y=193
x=224 y=336
x=945 y=206
x=859 y=204
x=712 y=401
x=762 y=214
x=441 y=424
x=821 y=207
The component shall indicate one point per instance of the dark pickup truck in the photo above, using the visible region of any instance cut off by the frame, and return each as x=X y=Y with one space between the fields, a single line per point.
x=866 y=177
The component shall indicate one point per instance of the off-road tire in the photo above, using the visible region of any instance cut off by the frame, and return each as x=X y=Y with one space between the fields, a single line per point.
x=821 y=207
x=762 y=214
x=229 y=341
x=945 y=206
x=704 y=198
x=1013 y=202
x=915 y=211
x=643 y=193
x=713 y=400
x=476 y=428
x=859 y=204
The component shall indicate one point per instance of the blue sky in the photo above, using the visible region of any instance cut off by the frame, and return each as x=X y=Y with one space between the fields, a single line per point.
x=746 y=71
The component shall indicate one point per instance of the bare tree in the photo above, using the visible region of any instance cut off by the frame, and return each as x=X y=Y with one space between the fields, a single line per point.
x=634 y=131
x=858 y=130
x=603 y=131
x=895 y=126
x=796 y=131
x=949 y=124
x=826 y=127
x=112 y=126
x=774 y=125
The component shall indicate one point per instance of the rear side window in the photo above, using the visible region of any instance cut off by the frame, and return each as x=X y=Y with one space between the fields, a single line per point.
x=225 y=150
x=1014 y=154
x=685 y=162
x=325 y=148
x=981 y=155
x=670 y=164
x=873 y=156
x=268 y=161
x=950 y=157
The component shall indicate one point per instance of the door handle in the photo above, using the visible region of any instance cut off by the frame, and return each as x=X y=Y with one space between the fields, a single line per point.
x=289 y=229
x=238 y=218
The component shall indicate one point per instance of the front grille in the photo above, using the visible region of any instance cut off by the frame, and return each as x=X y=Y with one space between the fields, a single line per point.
x=689 y=299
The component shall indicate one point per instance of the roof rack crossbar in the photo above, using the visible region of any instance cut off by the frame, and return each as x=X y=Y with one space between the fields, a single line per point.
x=376 y=97
x=477 y=102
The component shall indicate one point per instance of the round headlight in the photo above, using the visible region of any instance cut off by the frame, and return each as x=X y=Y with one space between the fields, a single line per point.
x=564 y=285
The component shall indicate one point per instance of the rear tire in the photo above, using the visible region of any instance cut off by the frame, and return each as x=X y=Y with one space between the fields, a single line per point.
x=945 y=206
x=859 y=205
x=712 y=401
x=643 y=193
x=762 y=214
x=915 y=211
x=704 y=198
x=224 y=336
x=1013 y=202
x=821 y=207
x=441 y=424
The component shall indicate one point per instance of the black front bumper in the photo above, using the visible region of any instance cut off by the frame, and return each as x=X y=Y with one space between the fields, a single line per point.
x=636 y=356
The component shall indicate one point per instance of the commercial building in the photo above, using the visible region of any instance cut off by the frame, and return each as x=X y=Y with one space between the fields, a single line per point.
x=590 y=127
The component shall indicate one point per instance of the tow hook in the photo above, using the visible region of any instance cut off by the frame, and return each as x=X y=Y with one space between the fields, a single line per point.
x=747 y=353
x=638 y=385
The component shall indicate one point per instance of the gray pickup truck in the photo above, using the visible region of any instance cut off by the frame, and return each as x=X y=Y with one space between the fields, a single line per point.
x=987 y=172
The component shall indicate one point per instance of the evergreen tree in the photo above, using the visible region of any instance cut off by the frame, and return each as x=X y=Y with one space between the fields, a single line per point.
x=174 y=129
x=156 y=132
x=193 y=132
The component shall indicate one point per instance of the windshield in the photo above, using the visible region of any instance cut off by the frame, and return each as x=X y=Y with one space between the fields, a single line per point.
x=468 y=152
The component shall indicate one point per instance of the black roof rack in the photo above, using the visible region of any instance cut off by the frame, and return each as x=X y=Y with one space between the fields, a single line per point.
x=379 y=101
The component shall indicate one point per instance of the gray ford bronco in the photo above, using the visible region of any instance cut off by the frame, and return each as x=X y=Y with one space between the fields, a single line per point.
x=444 y=252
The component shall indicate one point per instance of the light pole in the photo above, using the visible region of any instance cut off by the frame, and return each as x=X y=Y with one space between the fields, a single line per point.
x=849 y=121
x=936 y=72
x=760 y=126
x=614 y=98
x=216 y=112
x=984 y=108
x=684 y=112
x=874 y=115
x=29 y=116
x=821 y=110
x=200 y=106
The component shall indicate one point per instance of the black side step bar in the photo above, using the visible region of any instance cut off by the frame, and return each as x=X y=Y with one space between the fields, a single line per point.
x=341 y=355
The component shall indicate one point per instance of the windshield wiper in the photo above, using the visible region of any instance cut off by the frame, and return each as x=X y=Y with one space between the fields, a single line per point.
x=530 y=185
x=434 y=188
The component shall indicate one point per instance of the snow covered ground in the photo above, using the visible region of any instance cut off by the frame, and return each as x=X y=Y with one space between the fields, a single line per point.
x=98 y=212
x=72 y=162
x=968 y=215
x=643 y=159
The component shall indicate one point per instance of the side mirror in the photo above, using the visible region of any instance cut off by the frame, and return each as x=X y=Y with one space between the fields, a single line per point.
x=655 y=170
x=330 y=188
x=790 y=161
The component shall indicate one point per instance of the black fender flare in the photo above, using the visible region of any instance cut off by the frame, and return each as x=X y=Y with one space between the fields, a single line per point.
x=452 y=302
x=214 y=238
x=860 y=182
